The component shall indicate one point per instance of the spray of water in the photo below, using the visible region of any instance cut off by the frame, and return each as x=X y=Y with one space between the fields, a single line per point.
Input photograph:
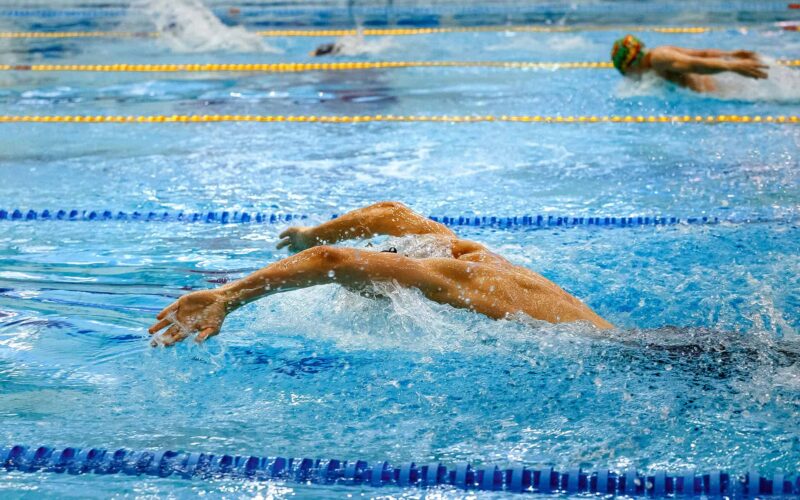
x=782 y=85
x=357 y=45
x=649 y=84
x=189 y=26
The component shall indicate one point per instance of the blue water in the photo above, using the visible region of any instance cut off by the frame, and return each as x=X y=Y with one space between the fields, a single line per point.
x=703 y=371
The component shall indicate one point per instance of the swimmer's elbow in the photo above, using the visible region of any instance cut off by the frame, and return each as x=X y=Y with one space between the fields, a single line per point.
x=328 y=257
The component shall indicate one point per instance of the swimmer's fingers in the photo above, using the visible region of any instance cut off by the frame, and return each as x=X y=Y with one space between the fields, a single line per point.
x=295 y=238
x=172 y=336
x=206 y=334
x=287 y=237
x=759 y=71
x=752 y=69
x=170 y=308
x=159 y=326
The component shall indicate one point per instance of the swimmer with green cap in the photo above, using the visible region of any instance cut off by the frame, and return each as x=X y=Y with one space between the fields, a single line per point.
x=690 y=68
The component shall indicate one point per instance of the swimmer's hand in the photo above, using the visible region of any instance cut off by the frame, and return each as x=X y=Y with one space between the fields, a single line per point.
x=297 y=238
x=750 y=68
x=744 y=54
x=202 y=312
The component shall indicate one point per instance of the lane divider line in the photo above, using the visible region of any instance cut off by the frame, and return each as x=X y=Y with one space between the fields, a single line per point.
x=78 y=34
x=385 y=31
x=489 y=477
x=300 y=66
x=332 y=66
x=244 y=217
x=486 y=29
x=580 y=119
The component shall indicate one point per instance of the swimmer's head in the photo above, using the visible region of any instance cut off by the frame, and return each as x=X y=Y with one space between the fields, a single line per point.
x=627 y=54
x=326 y=49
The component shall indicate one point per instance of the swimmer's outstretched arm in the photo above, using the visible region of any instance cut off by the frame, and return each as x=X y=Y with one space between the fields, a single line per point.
x=203 y=312
x=739 y=54
x=385 y=218
x=669 y=59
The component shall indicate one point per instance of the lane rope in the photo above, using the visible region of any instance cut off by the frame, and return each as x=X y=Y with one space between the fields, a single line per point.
x=244 y=217
x=581 y=119
x=519 y=479
x=388 y=31
x=297 y=67
x=330 y=66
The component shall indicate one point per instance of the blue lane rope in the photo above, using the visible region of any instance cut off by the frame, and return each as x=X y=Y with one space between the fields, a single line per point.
x=236 y=217
x=165 y=463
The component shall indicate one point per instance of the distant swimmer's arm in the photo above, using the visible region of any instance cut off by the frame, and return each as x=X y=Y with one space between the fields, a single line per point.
x=739 y=54
x=203 y=312
x=701 y=52
x=666 y=59
x=384 y=218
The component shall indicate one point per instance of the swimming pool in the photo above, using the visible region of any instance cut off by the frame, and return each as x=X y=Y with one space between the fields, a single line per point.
x=325 y=373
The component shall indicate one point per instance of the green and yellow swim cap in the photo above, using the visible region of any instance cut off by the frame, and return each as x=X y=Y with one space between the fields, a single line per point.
x=627 y=52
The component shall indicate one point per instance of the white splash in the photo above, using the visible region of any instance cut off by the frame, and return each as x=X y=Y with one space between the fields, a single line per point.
x=189 y=26
x=649 y=84
x=782 y=85
x=357 y=45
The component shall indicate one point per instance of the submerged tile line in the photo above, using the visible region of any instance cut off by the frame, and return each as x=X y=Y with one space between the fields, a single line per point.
x=659 y=483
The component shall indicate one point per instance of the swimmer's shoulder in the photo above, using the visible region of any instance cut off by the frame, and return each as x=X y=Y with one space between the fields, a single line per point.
x=473 y=251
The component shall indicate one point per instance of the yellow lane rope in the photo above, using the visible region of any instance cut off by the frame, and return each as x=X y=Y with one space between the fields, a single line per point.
x=379 y=31
x=76 y=34
x=400 y=118
x=485 y=29
x=295 y=67
x=298 y=67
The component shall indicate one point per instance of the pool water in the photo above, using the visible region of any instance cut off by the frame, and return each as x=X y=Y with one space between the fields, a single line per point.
x=703 y=370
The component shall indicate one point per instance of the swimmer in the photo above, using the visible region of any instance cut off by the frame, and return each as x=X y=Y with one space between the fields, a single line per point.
x=685 y=67
x=326 y=49
x=472 y=277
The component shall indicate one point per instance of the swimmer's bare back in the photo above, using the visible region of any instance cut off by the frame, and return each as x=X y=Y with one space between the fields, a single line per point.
x=474 y=278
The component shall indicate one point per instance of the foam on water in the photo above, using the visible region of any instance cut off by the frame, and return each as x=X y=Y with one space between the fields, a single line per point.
x=189 y=26
x=649 y=84
x=782 y=85
x=357 y=45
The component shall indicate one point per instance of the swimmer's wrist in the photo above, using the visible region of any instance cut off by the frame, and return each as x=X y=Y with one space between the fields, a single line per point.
x=309 y=237
x=230 y=297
